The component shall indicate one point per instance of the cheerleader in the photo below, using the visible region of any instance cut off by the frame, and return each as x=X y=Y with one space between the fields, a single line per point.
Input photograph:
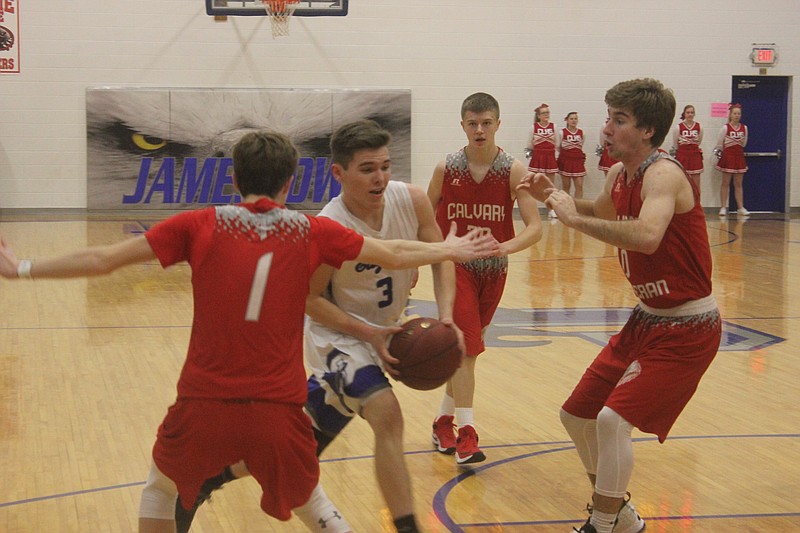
x=571 y=159
x=732 y=163
x=686 y=138
x=542 y=146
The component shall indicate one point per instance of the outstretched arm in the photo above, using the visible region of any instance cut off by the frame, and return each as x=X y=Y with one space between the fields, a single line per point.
x=664 y=189
x=399 y=254
x=94 y=261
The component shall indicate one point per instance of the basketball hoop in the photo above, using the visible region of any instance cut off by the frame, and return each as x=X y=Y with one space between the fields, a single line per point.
x=279 y=13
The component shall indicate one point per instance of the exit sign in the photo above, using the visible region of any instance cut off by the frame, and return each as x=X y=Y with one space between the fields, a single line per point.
x=763 y=56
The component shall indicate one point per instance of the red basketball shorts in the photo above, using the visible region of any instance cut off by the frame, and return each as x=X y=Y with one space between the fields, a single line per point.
x=198 y=438
x=648 y=371
x=478 y=294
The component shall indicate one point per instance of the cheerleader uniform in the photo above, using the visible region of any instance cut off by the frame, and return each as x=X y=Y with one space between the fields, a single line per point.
x=571 y=159
x=732 y=141
x=543 y=144
x=688 y=153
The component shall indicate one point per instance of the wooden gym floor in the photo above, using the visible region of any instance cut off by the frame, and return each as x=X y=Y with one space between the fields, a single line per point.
x=88 y=369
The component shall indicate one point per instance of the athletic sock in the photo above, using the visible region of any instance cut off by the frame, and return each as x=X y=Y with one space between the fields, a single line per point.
x=448 y=406
x=603 y=522
x=465 y=417
x=406 y=524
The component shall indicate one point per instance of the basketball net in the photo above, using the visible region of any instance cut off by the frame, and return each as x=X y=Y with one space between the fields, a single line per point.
x=279 y=13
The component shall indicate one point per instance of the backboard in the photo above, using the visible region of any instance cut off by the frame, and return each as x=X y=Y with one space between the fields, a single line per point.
x=306 y=8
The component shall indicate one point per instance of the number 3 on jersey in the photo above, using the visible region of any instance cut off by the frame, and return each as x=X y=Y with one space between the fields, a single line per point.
x=386 y=285
x=258 y=288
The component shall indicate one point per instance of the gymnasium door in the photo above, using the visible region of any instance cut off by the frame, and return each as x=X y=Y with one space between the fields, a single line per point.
x=765 y=101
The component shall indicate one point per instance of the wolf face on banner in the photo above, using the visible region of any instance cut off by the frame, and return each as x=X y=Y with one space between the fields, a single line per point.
x=170 y=148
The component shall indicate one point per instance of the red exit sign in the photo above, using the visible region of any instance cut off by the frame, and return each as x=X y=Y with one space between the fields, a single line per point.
x=763 y=56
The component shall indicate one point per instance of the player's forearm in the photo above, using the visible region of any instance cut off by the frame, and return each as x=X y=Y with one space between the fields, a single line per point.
x=88 y=262
x=585 y=207
x=331 y=316
x=524 y=239
x=401 y=254
x=630 y=235
x=444 y=288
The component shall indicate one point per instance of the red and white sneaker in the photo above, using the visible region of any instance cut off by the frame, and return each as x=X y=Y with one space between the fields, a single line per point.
x=444 y=436
x=467 y=450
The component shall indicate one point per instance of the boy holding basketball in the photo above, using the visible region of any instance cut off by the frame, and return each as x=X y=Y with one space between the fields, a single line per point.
x=476 y=187
x=356 y=308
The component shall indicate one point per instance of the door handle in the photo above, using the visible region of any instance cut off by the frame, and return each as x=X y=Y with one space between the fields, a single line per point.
x=764 y=154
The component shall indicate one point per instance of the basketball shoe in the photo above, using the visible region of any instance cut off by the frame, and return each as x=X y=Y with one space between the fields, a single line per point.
x=444 y=436
x=628 y=520
x=467 y=450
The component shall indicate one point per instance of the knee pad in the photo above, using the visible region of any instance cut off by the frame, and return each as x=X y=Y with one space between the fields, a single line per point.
x=158 y=496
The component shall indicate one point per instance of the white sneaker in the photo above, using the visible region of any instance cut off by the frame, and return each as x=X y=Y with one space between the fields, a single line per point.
x=552 y=214
x=743 y=212
x=723 y=211
x=628 y=520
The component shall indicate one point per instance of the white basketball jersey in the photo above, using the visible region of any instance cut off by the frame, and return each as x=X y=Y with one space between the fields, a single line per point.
x=368 y=292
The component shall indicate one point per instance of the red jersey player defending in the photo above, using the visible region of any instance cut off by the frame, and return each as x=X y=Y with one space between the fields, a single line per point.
x=475 y=187
x=251 y=264
x=650 y=210
x=686 y=139
x=571 y=159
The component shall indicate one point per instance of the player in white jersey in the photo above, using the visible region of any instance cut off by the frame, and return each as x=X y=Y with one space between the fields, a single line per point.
x=354 y=310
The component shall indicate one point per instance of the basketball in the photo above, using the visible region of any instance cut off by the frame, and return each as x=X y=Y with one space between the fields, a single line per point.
x=428 y=353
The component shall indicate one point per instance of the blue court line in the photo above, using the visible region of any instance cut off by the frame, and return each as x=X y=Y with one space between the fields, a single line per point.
x=440 y=503
x=70 y=494
x=441 y=494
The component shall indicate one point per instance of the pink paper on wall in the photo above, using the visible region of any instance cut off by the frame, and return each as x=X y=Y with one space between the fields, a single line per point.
x=719 y=109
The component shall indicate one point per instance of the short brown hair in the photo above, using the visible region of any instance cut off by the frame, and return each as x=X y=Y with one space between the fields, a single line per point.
x=480 y=103
x=355 y=136
x=263 y=163
x=651 y=104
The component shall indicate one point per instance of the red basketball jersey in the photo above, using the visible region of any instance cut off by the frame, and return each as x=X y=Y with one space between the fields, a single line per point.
x=680 y=269
x=487 y=204
x=251 y=265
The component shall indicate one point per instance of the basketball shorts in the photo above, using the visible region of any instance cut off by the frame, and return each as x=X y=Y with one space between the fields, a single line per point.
x=336 y=395
x=648 y=371
x=478 y=294
x=198 y=438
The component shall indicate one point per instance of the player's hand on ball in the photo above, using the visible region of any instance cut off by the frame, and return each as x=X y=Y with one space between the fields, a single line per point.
x=379 y=339
x=461 y=344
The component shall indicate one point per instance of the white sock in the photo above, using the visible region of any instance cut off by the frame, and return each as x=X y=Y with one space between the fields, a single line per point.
x=603 y=522
x=448 y=406
x=465 y=417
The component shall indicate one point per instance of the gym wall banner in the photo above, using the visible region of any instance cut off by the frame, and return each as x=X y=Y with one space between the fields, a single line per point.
x=9 y=36
x=170 y=148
